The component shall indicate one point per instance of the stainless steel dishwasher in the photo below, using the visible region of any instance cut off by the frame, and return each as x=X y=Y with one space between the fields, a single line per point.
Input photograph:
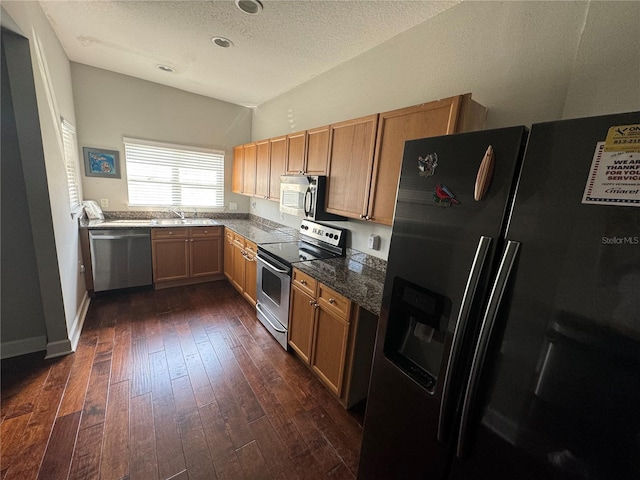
x=120 y=258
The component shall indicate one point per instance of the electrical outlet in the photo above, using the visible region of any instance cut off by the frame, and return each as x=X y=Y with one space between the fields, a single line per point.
x=233 y=206
x=104 y=202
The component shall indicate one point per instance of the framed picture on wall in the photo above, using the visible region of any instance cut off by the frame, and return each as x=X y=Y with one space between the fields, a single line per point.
x=101 y=163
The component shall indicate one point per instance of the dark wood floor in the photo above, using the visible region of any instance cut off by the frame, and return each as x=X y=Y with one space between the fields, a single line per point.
x=180 y=383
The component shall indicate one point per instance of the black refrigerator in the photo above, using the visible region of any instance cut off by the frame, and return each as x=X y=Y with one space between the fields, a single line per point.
x=508 y=344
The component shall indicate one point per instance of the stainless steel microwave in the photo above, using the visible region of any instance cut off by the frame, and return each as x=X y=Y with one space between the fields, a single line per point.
x=304 y=196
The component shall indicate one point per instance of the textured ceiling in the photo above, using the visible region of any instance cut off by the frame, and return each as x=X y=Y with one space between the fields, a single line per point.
x=289 y=43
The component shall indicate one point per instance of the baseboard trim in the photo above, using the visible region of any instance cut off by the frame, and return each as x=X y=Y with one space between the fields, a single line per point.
x=59 y=348
x=78 y=322
x=22 y=347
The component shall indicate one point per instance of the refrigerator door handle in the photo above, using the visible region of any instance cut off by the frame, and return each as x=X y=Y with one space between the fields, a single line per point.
x=499 y=286
x=458 y=334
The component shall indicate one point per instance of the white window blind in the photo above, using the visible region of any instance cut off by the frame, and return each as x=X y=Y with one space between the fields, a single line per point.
x=70 y=146
x=161 y=174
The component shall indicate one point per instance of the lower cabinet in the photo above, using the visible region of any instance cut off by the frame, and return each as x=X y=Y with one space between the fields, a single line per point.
x=333 y=336
x=186 y=255
x=240 y=264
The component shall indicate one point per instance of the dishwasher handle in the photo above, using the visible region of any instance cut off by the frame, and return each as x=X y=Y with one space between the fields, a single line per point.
x=117 y=237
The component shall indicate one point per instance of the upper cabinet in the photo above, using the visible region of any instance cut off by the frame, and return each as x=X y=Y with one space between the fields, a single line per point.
x=361 y=157
x=262 y=168
x=296 y=148
x=278 y=154
x=308 y=152
x=317 y=156
x=237 y=178
x=350 y=165
x=249 y=187
x=450 y=115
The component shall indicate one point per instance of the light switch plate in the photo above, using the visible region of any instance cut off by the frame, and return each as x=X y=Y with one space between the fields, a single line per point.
x=104 y=202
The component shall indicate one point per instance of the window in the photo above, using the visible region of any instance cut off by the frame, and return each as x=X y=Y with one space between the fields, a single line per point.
x=70 y=147
x=161 y=174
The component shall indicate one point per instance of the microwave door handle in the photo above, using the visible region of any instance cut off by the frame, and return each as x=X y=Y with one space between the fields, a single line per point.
x=307 y=202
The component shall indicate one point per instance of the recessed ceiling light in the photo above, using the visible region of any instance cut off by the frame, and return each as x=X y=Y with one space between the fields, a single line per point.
x=222 y=42
x=165 y=68
x=252 y=7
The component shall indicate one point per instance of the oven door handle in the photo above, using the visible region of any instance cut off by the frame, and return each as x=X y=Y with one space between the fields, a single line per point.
x=307 y=201
x=266 y=317
x=279 y=270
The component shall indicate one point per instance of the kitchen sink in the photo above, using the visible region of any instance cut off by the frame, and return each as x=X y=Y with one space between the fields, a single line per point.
x=185 y=221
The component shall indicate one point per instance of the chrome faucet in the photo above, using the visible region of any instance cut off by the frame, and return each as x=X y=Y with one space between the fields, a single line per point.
x=179 y=214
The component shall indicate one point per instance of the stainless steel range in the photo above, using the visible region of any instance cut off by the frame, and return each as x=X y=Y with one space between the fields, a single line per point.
x=317 y=241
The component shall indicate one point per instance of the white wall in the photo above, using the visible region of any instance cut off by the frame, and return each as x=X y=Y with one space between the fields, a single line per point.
x=517 y=58
x=111 y=105
x=58 y=255
x=606 y=76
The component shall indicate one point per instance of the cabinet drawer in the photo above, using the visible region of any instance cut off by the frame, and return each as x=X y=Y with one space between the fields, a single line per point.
x=239 y=240
x=169 y=232
x=304 y=282
x=251 y=248
x=205 y=231
x=334 y=302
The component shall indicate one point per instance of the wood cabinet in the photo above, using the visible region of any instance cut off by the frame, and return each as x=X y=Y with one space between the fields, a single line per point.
x=228 y=254
x=308 y=152
x=362 y=182
x=240 y=267
x=237 y=174
x=319 y=328
x=186 y=255
x=302 y=314
x=361 y=157
x=350 y=166
x=450 y=115
x=249 y=169
x=262 y=168
x=278 y=157
x=317 y=157
x=296 y=149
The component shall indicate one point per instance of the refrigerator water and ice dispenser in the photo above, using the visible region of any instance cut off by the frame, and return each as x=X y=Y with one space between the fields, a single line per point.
x=416 y=332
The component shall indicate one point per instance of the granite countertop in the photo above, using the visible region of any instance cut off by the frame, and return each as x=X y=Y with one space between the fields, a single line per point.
x=357 y=276
x=360 y=283
x=260 y=233
x=255 y=231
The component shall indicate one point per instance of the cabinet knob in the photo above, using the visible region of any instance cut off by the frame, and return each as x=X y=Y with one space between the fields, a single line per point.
x=367 y=217
x=192 y=239
x=206 y=231
x=303 y=282
x=170 y=233
x=186 y=241
x=361 y=216
x=332 y=301
x=311 y=302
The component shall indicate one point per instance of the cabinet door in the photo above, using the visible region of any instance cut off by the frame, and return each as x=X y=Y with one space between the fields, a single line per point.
x=170 y=259
x=350 y=165
x=329 y=348
x=249 y=174
x=228 y=254
x=317 y=151
x=301 y=316
x=262 y=169
x=237 y=279
x=394 y=128
x=251 y=272
x=237 y=180
x=278 y=157
x=205 y=256
x=296 y=148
